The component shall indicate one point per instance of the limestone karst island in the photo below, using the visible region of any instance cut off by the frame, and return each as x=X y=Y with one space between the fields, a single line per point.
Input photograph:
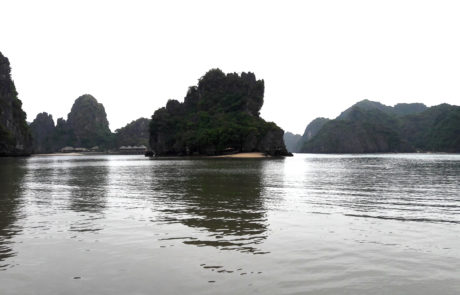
x=207 y=197
x=221 y=116
x=229 y=147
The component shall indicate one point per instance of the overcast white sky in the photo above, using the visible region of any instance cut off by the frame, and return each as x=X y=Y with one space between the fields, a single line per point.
x=316 y=57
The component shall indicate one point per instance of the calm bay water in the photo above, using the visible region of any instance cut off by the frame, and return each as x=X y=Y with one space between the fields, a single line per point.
x=363 y=224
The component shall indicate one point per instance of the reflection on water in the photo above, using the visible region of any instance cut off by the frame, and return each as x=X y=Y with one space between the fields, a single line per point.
x=326 y=224
x=11 y=178
x=87 y=186
x=222 y=198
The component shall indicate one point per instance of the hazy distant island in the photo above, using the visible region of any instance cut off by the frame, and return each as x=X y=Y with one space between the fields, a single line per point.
x=219 y=116
x=371 y=127
x=86 y=129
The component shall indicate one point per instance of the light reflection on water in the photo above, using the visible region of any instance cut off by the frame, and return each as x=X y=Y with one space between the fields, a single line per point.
x=320 y=224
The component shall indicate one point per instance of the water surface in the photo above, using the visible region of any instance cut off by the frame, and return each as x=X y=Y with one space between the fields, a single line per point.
x=311 y=224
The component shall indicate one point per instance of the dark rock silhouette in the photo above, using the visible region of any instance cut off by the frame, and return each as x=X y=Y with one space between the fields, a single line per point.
x=15 y=137
x=135 y=133
x=219 y=115
x=43 y=133
x=86 y=126
x=87 y=121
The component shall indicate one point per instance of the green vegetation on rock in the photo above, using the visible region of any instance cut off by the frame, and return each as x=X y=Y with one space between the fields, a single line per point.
x=371 y=127
x=87 y=121
x=310 y=131
x=135 y=133
x=86 y=127
x=15 y=137
x=219 y=115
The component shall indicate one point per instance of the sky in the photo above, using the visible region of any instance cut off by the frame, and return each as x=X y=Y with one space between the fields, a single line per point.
x=317 y=58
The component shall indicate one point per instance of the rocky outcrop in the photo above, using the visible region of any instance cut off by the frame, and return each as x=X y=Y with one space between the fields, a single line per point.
x=353 y=136
x=310 y=131
x=292 y=141
x=15 y=137
x=43 y=133
x=220 y=115
x=86 y=127
x=135 y=133
x=88 y=123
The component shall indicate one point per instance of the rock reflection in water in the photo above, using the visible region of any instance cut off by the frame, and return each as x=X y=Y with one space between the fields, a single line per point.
x=11 y=177
x=88 y=194
x=221 y=198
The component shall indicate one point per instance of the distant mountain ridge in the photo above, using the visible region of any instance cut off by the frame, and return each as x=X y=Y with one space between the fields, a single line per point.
x=399 y=109
x=372 y=127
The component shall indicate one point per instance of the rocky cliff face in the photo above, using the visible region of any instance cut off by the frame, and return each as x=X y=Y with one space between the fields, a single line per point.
x=43 y=132
x=15 y=138
x=292 y=141
x=86 y=126
x=88 y=122
x=310 y=131
x=219 y=115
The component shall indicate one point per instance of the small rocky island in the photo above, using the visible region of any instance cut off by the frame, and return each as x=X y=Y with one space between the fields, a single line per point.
x=219 y=116
x=86 y=126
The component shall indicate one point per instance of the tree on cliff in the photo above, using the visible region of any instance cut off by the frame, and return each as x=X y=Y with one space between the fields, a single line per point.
x=220 y=114
x=15 y=137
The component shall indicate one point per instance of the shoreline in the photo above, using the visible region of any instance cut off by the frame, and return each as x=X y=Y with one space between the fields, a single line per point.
x=252 y=155
x=58 y=154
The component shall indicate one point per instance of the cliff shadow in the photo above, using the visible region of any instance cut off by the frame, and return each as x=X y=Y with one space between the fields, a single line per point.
x=12 y=172
x=87 y=185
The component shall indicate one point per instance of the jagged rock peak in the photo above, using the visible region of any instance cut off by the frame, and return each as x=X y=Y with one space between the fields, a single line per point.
x=43 y=130
x=88 y=122
x=219 y=115
x=15 y=138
